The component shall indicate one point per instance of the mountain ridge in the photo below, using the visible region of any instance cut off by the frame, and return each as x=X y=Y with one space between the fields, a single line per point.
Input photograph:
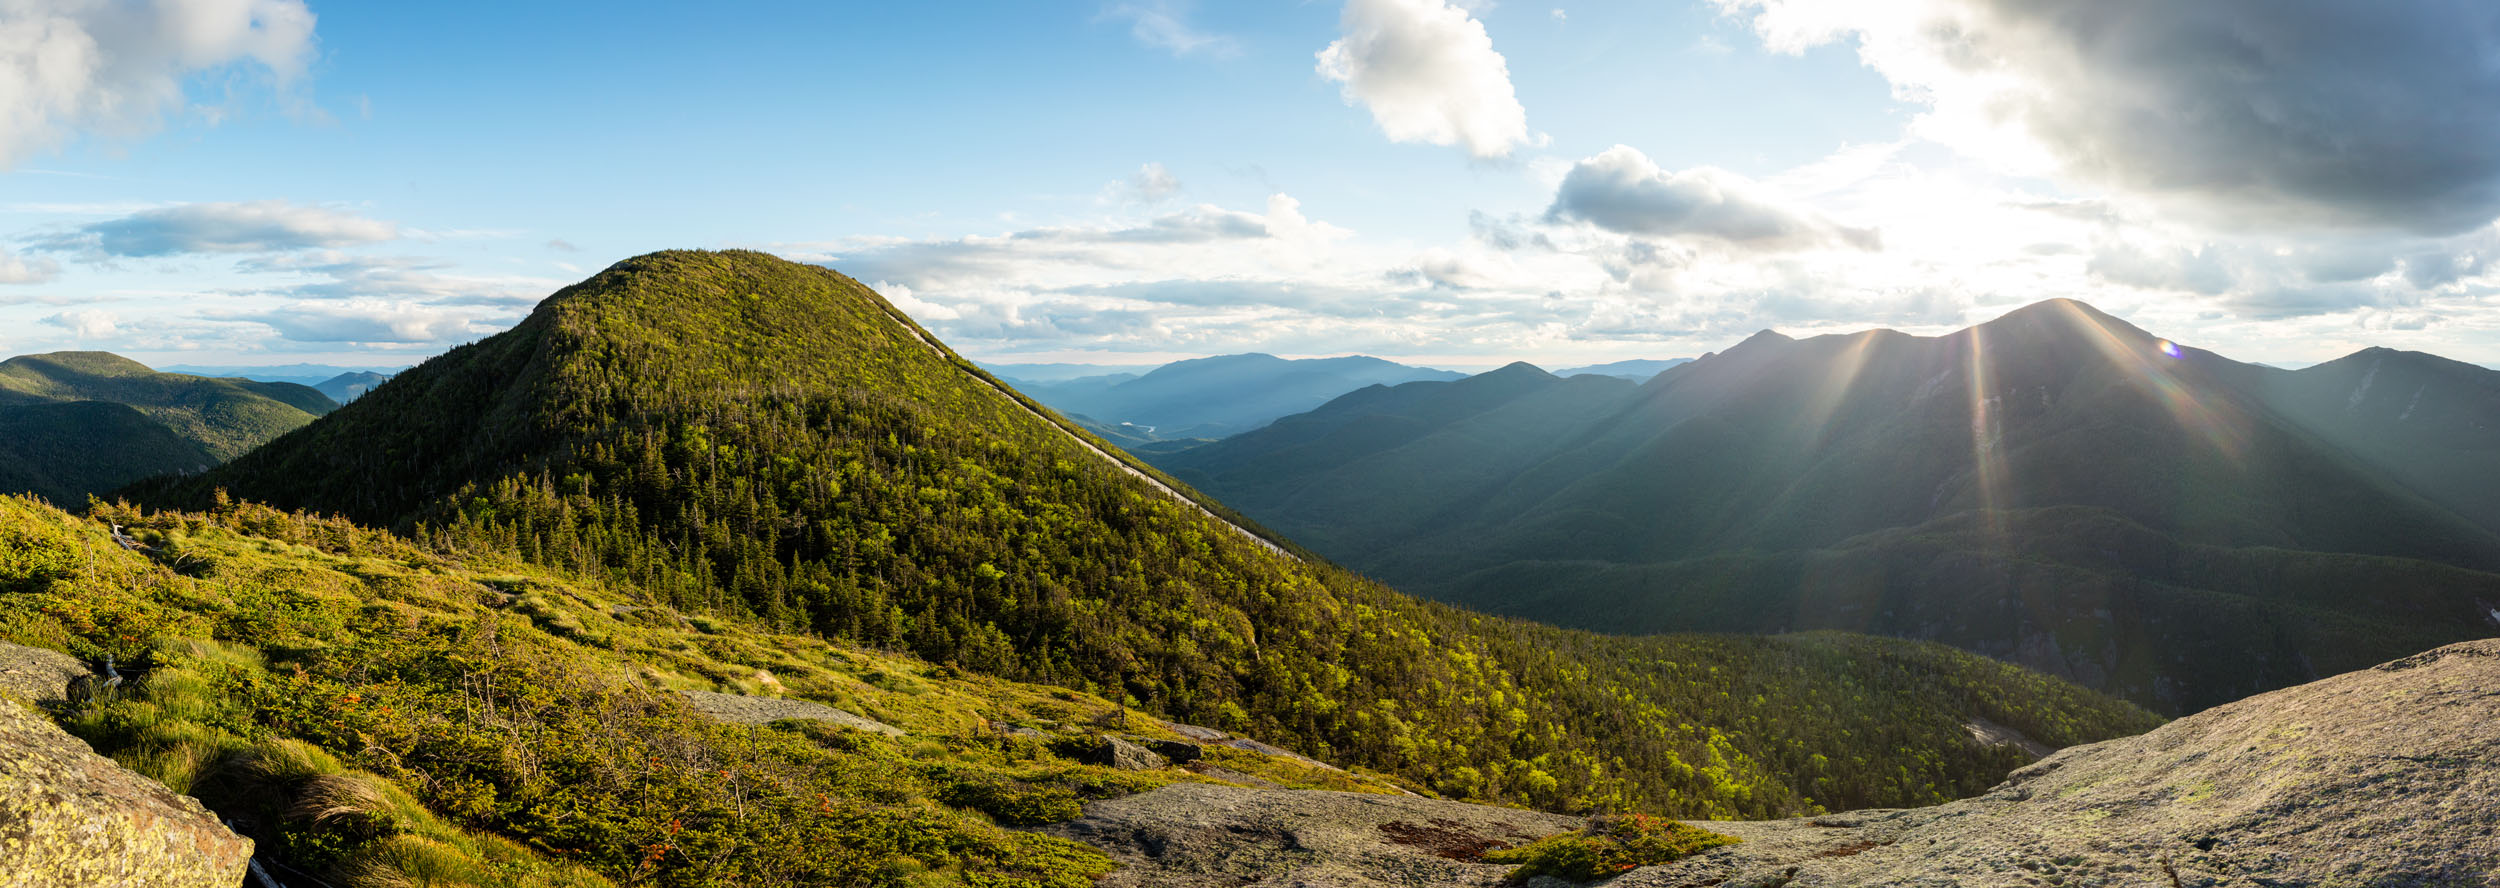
x=737 y=434
x=1741 y=466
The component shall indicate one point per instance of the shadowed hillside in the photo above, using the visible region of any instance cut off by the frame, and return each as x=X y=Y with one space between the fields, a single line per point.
x=79 y=423
x=2056 y=487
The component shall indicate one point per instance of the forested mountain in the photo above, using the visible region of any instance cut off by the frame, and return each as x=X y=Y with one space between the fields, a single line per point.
x=2055 y=487
x=1218 y=396
x=76 y=423
x=734 y=433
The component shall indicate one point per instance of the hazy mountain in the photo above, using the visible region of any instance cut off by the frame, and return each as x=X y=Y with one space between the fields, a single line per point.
x=1045 y=373
x=2055 y=487
x=300 y=374
x=737 y=434
x=76 y=423
x=1638 y=370
x=1218 y=396
x=347 y=387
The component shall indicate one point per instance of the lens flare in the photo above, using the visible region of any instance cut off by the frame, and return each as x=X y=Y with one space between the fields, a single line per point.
x=2219 y=424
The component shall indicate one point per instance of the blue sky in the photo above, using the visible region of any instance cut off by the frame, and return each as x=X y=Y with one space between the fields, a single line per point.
x=272 y=181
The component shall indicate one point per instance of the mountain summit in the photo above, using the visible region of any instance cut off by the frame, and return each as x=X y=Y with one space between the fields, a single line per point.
x=2055 y=486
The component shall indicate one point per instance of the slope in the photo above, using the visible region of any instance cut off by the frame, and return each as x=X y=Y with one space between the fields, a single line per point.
x=65 y=442
x=1893 y=481
x=2380 y=776
x=733 y=433
x=67 y=450
x=377 y=715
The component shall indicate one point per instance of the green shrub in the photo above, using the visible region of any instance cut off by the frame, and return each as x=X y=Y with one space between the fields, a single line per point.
x=1609 y=847
x=1014 y=802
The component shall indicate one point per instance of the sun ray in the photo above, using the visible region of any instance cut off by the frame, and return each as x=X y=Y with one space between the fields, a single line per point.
x=2155 y=368
x=1987 y=462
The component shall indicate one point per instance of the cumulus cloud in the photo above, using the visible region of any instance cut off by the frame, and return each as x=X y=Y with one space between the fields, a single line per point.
x=2268 y=112
x=1622 y=191
x=20 y=270
x=2190 y=269
x=375 y=322
x=116 y=68
x=432 y=282
x=88 y=323
x=1164 y=24
x=255 y=227
x=1151 y=184
x=1428 y=73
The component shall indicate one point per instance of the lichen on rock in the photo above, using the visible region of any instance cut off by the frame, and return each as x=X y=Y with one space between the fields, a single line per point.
x=70 y=817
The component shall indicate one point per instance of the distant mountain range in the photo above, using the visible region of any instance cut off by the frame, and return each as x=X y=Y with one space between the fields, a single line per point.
x=1213 y=397
x=79 y=423
x=2055 y=487
x=1634 y=370
x=300 y=374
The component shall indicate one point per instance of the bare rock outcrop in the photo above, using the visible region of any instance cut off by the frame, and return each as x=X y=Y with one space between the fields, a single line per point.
x=36 y=675
x=2386 y=777
x=1197 y=835
x=71 y=817
x=746 y=710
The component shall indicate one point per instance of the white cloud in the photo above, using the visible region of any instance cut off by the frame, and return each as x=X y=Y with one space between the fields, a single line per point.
x=1428 y=73
x=432 y=282
x=21 y=270
x=1151 y=184
x=375 y=322
x=2237 y=113
x=87 y=323
x=255 y=227
x=1164 y=24
x=115 y=68
x=1622 y=191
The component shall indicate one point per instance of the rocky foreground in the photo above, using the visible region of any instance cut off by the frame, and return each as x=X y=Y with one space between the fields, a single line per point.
x=2385 y=777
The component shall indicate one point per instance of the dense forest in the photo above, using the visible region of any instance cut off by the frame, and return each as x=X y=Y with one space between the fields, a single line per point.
x=735 y=434
x=74 y=424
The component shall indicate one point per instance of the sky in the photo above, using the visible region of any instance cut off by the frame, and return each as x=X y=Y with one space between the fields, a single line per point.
x=1445 y=182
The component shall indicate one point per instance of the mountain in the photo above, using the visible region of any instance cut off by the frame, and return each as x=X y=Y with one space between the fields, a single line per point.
x=300 y=374
x=79 y=423
x=733 y=434
x=2055 y=487
x=1218 y=396
x=2431 y=423
x=1637 y=370
x=347 y=387
x=2374 y=777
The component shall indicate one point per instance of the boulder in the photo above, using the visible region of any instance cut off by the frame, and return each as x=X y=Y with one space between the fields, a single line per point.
x=71 y=817
x=1175 y=750
x=1113 y=752
x=1194 y=732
